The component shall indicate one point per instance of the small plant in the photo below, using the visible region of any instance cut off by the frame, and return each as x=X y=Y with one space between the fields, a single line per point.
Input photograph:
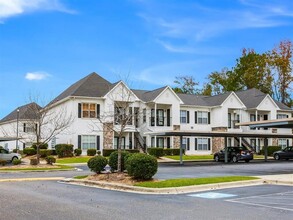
x=77 y=152
x=16 y=161
x=97 y=163
x=91 y=152
x=113 y=159
x=141 y=166
x=50 y=160
x=3 y=162
x=34 y=161
x=99 y=152
x=64 y=150
x=29 y=151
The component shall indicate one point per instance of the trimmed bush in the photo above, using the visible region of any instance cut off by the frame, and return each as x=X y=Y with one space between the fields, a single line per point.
x=64 y=150
x=132 y=151
x=91 y=152
x=97 y=163
x=29 y=151
x=45 y=153
x=176 y=151
x=77 y=152
x=141 y=166
x=156 y=152
x=99 y=152
x=53 y=152
x=107 y=152
x=271 y=150
x=42 y=146
x=50 y=160
x=113 y=159
x=168 y=152
x=3 y=162
x=16 y=161
x=34 y=161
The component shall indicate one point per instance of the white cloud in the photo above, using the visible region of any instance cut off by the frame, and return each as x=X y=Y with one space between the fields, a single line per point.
x=37 y=75
x=10 y=8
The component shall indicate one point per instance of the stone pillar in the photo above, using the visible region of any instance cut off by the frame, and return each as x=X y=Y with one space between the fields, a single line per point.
x=176 y=139
x=218 y=142
x=108 y=135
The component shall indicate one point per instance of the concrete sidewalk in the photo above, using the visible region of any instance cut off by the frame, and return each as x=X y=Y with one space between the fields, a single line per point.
x=282 y=179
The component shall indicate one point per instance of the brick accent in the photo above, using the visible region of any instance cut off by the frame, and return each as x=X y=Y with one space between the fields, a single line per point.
x=108 y=135
x=218 y=142
x=176 y=139
x=275 y=142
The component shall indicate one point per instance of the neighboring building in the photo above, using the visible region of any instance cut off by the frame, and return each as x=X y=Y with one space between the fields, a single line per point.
x=93 y=100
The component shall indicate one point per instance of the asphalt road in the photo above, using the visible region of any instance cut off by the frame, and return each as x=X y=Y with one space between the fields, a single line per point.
x=52 y=200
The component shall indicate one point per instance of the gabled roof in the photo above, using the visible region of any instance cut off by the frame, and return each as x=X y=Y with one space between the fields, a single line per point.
x=26 y=112
x=282 y=106
x=190 y=99
x=217 y=99
x=251 y=97
x=93 y=85
x=148 y=96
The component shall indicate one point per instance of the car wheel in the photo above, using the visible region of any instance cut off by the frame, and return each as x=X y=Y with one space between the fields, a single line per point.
x=277 y=157
x=234 y=159
x=217 y=159
x=247 y=161
x=14 y=158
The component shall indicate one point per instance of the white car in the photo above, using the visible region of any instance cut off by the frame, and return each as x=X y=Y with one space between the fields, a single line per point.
x=5 y=155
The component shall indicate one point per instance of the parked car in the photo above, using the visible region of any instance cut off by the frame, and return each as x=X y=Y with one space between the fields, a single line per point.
x=6 y=155
x=235 y=154
x=286 y=153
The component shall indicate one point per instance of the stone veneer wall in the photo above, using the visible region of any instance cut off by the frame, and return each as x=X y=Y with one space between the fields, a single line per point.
x=108 y=135
x=176 y=139
x=218 y=143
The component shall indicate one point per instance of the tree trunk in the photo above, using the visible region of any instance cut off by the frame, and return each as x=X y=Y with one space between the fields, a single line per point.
x=119 y=164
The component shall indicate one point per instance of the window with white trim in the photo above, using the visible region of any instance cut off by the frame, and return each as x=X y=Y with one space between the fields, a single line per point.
x=202 y=144
x=88 y=142
x=184 y=143
x=282 y=142
x=202 y=117
x=183 y=116
x=280 y=116
x=89 y=110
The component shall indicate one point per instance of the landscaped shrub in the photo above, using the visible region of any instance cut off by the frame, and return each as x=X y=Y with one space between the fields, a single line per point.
x=271 y=150
x=77 y=152
x=99 y=152
x=53 y=152
x=16 y=161
x=157 y=152
x=3 y=162
x=107 y=152
x=91 y=152
x=97 y=163
x=132 y=151
x=176 y=151
x=168 y=152
x=64 y=150
x=29 y=151
x=113 y=159
x=34 y=161
x=141 y=166
x=45 y=153
x=42 y=146
x=50 y=160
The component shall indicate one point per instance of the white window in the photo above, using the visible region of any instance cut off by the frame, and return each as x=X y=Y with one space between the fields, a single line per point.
x=89 y=110
x=88 y=142
x=282 y=142
x=202 y=117
x=183 y=116
x=280 y=116
x=184 y=143
x=29 y=128
x=160 y=142
x=53 y=142
x=202 y=144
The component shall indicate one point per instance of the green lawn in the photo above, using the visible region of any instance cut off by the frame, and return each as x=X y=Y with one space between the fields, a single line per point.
x=80 y=177
x=192 y=157
x=61 y=167
x=193 y=181
x=68 y=160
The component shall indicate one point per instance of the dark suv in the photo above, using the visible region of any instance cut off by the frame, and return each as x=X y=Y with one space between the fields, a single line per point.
x=235 y=154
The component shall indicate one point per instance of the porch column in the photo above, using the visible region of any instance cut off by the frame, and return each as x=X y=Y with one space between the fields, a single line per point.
x=181 y=151
x=226 y=150
x=266 y=149
x=132 y=140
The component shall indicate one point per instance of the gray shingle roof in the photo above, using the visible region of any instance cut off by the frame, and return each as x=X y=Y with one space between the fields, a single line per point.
x=282 y=106
x=189 y=99
x=92 y=85
x=148 y=96
x=217 y=99
x=26 y=112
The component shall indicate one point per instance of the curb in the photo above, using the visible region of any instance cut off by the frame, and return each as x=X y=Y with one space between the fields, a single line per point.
x=173 y=190
x=32 y=179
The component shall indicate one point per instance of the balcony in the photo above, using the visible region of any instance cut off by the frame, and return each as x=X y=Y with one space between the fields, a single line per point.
x=161 y=121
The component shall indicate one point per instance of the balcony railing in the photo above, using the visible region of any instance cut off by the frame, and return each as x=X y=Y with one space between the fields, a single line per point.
x=161 y=121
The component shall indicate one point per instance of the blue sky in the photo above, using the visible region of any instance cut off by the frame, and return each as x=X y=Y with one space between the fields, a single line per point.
x=47 y=45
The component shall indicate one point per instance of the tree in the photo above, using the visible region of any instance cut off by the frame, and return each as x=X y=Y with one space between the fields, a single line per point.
x=281 y=62
x=186 y=84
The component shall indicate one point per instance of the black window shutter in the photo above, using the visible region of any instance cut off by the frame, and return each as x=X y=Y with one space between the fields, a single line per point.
x=79 y=110
x=98 y=142
x=195 y=143
x=168 y=142
x=98 y=110
x=188 y=143
x=187 y=116
x=287 y=116
x=79 y=142
x=24 y=127
x=209 y=144
x=23 y=145
x=195 y=117
x=209 y=117
x=168 y=117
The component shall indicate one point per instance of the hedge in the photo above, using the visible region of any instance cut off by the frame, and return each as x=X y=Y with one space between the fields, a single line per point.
x=77 y=152
x=42 y=146
x=113 y=160
x=141 y=166
x=45 y=153
x=50 y=160
x=107 y=152
x=29 y=151
x=91 y=152
x=16 y=161
x=271 y=150
x=97 y=163
x=156 y=151
x=64 y=150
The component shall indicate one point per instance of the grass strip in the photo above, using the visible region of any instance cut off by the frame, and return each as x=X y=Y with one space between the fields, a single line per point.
x=62 y=167
x=80 y=177
x=73 y=160
x=193 y=181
